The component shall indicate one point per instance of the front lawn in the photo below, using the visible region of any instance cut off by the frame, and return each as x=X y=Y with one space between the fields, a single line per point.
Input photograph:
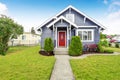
x=24 y=63
x=112 y=48
x=96 y=68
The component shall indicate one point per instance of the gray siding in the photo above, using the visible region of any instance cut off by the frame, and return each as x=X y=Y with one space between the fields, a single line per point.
x=79 y=21
x=46 y=32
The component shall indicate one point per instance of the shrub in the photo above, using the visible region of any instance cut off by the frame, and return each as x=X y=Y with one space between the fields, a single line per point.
x=48 y=45
x=110 y=44
x=116 y=45
x=108 y=51
x=105 y=43
x=100 y=49
x=75 y=47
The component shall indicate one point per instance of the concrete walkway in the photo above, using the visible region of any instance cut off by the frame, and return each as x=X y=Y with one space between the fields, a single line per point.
x=62 y=69
x=85 y=55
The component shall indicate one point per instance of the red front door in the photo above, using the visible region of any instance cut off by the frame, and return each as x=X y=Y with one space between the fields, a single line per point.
x=62 y=38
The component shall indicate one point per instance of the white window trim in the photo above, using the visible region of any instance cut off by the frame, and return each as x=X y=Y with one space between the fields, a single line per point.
x=92 y=30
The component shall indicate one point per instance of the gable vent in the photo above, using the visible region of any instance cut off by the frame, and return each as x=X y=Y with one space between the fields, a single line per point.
x=70 y=17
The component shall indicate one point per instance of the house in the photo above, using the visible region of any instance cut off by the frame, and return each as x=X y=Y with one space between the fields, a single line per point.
x=70 y=22
x=27 y=39
x=116 y=38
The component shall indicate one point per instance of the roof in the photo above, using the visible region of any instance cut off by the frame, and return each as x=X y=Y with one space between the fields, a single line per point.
x=62 y=18
x=93 y=20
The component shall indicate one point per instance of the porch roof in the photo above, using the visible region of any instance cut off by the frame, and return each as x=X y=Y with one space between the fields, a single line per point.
x=62 y=18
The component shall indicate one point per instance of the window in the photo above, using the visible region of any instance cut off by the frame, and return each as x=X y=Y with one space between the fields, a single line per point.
x=70 y=17
x=23 y=37
x=86 y=35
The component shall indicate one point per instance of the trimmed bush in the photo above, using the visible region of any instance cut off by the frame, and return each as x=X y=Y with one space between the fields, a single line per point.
x=116 y=45
x=108 y=51
x=100 y=49
x=48 y=45
x=75 y=47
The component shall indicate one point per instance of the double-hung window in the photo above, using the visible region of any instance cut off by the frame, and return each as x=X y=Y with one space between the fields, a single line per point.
x=23 y=37
x=86 y=35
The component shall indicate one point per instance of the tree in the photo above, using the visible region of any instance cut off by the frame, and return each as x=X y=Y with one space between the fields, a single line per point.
x=32 y=30
x=8 y=29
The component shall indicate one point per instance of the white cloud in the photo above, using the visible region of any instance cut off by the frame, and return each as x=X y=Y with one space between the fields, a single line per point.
x=3 y=9
x=114 y=15
x=112 y=19
x=116 y=3
x=114 y=6
x=112 y=22
x=105 y=1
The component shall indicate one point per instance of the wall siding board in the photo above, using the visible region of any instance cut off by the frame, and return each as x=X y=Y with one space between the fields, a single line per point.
x=46 y=32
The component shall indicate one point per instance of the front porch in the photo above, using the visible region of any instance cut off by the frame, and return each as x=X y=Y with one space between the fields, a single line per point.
x=62 y=30
x=62 y=36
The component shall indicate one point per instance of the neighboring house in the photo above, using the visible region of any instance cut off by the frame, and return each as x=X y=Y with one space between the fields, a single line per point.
x=70 y=22
x=116 y=38
x=26 y=39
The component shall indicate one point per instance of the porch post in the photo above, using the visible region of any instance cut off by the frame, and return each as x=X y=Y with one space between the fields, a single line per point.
x=67 y=36
x=70 y=31
x=56 y=37
x=53 y=33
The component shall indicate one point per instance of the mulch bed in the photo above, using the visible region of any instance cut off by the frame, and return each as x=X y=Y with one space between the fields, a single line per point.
x=51 y=53
x=44 y=53
x=85 y=52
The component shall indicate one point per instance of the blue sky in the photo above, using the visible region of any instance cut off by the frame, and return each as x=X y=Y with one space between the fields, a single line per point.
x=31 y=13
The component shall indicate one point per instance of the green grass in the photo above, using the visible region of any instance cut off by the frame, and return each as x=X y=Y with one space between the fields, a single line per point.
x=112 y=48
x=14 y=49
x=24 y=63
x=97 y=68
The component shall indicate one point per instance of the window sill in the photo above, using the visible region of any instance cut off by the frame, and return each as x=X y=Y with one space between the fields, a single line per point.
x=88 y=41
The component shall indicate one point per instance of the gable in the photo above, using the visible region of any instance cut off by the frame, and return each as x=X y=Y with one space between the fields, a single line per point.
x=80 y=19
x=62 y=18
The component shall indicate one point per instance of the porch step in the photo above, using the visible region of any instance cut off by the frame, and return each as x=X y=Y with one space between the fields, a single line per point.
x=61 y=51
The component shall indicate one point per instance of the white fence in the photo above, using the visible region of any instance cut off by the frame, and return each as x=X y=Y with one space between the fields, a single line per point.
x=23 y=42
